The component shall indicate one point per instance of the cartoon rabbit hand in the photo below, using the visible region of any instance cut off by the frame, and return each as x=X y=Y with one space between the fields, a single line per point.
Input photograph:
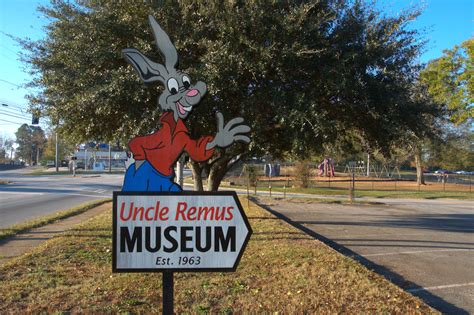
x=228 y=134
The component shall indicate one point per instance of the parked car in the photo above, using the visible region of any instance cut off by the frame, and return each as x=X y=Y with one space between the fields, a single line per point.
x=442 y=172
x=464 y=173
x=50 y=164
x=79 y=165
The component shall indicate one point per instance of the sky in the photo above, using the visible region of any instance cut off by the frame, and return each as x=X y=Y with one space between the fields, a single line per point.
x=446 y=23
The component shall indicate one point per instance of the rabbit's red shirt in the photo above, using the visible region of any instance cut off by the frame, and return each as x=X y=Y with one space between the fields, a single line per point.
x=163 y=147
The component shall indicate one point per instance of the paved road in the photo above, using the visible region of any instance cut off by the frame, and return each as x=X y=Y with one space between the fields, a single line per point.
x=29 y=197
x=424 y=246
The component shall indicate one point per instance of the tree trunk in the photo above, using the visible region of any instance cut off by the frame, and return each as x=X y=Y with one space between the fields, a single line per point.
x=197 y=175
x=420 y=179
x=216 y=174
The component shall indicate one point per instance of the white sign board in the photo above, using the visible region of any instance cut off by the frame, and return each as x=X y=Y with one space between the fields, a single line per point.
x=186 y=231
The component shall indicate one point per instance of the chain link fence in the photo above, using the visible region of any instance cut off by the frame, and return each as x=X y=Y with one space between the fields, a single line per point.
x=287 y=177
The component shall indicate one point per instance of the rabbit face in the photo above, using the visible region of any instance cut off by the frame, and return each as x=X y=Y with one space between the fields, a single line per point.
x=180 y=94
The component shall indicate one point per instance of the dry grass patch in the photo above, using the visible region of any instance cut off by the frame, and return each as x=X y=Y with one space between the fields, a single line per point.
x=282 y=270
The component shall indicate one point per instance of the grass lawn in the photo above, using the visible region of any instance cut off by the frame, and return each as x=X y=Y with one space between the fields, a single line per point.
x=321 y=200
x=282 y=270
x=17 y=228
x=336 y=191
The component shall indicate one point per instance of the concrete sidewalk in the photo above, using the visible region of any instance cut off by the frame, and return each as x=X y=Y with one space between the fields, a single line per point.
x=24 y=242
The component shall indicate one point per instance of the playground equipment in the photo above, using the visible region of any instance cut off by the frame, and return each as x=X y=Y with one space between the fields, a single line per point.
x=384 y=170
x=359 y=168
x=326 y=167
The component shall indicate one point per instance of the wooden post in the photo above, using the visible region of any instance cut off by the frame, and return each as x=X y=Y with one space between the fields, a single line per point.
x=353 y=182
x=248 y=184
x=351 y=189
x=248 y=190
x=168 y=293
x=270 y=188
x=255 y=188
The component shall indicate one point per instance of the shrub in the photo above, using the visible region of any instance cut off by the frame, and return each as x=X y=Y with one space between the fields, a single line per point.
x=251 y=172
x=302 y=173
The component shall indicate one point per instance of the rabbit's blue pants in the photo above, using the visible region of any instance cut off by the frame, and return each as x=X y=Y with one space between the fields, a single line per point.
x=147 y=178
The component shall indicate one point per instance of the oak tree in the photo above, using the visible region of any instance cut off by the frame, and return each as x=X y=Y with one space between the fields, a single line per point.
x=302 y=73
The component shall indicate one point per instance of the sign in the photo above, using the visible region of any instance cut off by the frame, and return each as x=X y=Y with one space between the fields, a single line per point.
x=154 y=155
x=157 y=226
x=184 y=231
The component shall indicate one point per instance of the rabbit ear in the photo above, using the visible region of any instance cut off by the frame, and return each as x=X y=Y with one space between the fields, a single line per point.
x=148 y=70
x=164 y=44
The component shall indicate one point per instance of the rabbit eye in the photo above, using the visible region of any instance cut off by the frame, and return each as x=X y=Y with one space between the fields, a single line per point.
x=173 y=86
x=186 y=81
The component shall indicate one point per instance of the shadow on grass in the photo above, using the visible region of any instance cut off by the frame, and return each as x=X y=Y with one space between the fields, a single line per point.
x=262 y=218
x=273 y=233
x=261 y=239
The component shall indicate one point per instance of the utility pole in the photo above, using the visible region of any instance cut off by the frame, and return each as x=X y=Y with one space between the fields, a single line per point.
x=110 y=158
x=368 y=164
x=56 y=160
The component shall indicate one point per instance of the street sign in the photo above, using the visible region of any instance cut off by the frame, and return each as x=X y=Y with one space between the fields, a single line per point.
x=184 y=231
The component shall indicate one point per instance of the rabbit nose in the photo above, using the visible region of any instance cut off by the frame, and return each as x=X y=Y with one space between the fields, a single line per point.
x=192 y=93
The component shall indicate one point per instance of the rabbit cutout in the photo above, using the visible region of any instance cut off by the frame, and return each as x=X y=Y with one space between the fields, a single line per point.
x=153 y=156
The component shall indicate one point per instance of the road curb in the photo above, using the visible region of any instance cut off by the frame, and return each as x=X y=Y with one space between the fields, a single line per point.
x=25 y=241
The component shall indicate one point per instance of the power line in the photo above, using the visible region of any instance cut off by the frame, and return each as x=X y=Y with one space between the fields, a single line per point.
x=12 y=122
x=15 y=111
x=14 y=116
x=9 y=49
x=6 y=81
x=10 y=105
x=8 y=57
